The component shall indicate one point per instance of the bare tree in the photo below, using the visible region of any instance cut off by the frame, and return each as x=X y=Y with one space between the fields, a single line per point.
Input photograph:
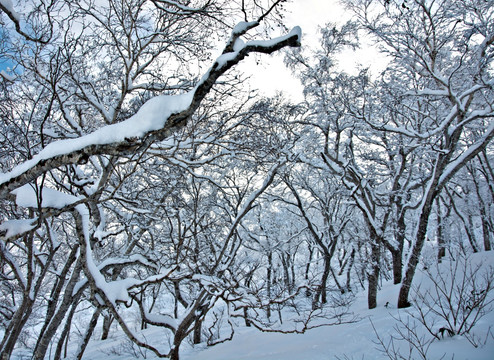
x=99 y=121
x=441 y=51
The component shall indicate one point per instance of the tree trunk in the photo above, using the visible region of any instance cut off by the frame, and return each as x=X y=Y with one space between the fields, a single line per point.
x=15 y=327
x=485 y=231
x=286 y=262
x=415 y=255
x=55 y=297
x=471 y=233
x=321 y=289
x=483 y=214
x=397 y=259
x=107 y=321
x=269 y=280
x=64 y=336
x=57 y=318
x=349 y=270
x=373 y=276
x=89 y=332
x=441 y=252
x=197 y=331
x=397 y=253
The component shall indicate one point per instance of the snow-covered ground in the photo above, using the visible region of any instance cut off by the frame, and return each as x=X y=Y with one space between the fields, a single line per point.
x=347 y=341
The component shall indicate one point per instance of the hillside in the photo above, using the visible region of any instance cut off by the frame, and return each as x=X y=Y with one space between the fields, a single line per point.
x=348 y=341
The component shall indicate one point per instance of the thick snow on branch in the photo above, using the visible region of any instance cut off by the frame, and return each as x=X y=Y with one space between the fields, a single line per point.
x=15 y=227
x=6 y=5
x=6 y=76
x=27 y=196
x=160 y=319
x=467 y=155
x=151 y=116
x=165 y=4
x=157 y=119
x=295 y=32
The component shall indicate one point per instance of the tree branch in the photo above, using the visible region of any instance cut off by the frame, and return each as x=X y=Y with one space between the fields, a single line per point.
x=104 y=141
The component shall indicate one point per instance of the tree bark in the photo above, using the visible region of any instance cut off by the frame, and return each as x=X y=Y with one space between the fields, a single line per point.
x=441 y=252
x=397 y=258
x=89 y=332
x=56 y=319
x=321 y=289
x=40 y=165
x=415 y=254
x=373 y=276
x=64 y=336
x=105 y=331
x=15 y=328
x=197 y=332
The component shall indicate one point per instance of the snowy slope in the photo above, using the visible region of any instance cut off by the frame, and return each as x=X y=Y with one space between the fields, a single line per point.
x=348 y=341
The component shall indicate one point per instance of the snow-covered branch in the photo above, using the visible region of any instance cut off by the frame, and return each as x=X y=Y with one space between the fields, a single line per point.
x=7 y=7
x=156 y=120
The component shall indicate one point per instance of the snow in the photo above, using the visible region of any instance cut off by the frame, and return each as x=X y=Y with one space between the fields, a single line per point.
x=239 y=44
x=6 y=75
x=224 y=58
x=7 y=4
x=180 y=6
x=347 y=341
x=454 y=165
x=151 y=116
x=161 y=319
x=297 y=31
x=26 y=196
x=16 y=227
x=243 y=26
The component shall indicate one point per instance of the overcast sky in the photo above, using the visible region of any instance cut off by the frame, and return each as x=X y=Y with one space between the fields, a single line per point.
x=270 y=75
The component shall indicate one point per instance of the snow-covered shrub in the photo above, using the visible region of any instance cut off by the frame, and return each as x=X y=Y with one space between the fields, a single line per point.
x=455 y=297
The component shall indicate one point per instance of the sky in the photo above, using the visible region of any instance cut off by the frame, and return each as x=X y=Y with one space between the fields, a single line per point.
x=270 y=75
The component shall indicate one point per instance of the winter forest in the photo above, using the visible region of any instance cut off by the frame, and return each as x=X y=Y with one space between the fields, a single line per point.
x=155 y=203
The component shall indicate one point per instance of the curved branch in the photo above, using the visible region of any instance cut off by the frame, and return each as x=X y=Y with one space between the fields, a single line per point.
x=162 y=116
x=7 y=8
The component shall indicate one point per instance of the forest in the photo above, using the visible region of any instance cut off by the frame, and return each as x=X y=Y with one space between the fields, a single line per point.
x=146 y=184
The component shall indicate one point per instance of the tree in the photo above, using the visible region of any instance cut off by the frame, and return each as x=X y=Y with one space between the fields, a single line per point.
x=371 y=166
x=442 y=50
x=106 y=131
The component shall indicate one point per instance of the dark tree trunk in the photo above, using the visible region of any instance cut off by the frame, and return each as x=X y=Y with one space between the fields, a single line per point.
x=53 y=301
x=246 y=318
x=397 y=254
x=197 y=332
x=321 y=289
x=483 y=214
x=15 y=327
x=415 y=255
x=107 y=321
x=269 y=281
x=349 y=270
x=64 y=336
x=397 y=258
x=441 y=252
x=373 y=276
x=57 y=318
x=88 y=334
